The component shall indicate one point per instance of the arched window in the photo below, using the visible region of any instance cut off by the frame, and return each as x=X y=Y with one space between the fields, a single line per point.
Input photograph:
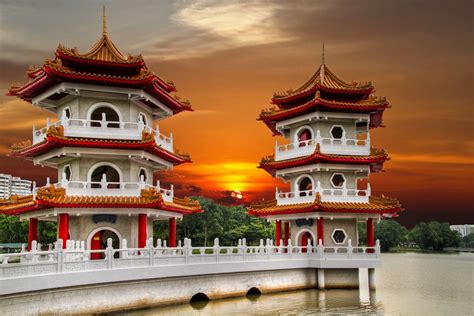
x=110 y=116
x=303 y=135
x=67 y=173
x=305 y=184
x=67 y=112
x=142 y=173
x=111 y=175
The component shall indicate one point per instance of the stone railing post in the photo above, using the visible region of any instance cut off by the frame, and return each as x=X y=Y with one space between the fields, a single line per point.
x=150 y=250
x=239 y=246
x=309 y=247
x=59 y=249
x=261 y=247
x=216 y=249
x=350 y=249
x=290 y=247
x=320 y=249
x=244 y=248
x=124 y=254
x=187 y=249
x=109 y=254
x=377 y=248
x=267 y=247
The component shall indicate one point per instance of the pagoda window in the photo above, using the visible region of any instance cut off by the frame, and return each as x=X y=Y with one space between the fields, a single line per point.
x=304 y=184
x=142 y=117
x=338 y=180
x=67 y=112
x=105 y=172
x=338 y=236
x=337 y=132
x=142 y=173
x=304 y=134
x=106 y=112
x=67 y=173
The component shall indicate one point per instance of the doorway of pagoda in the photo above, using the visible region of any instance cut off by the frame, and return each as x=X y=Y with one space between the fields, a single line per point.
x=98 y=241
x=305 y=238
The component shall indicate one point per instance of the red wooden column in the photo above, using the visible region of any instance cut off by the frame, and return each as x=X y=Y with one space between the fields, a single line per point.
x=172 y=232
x=63 y=228
x=277 y=232
x=32 y=231
x=287 y=233
x=141 y=230
x=320 y=230
x=370 y=234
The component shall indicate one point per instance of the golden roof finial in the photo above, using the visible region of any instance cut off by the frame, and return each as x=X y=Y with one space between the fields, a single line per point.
x=322 y=56
x=104 y=21
x=322 y=71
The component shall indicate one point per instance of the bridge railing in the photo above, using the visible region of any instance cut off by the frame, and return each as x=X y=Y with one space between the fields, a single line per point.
x=75 y=258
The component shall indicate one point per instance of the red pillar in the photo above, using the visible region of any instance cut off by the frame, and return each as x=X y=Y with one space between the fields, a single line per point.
x=32 y=231
x=370 y=234
x=277 y=232
x=320 y=230
x=287 y=233
x=172 y=232
x=141 y=230
x=63 y=228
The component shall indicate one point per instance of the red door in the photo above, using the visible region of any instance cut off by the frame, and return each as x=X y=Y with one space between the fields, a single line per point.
x=96 y=244
x=304 y=240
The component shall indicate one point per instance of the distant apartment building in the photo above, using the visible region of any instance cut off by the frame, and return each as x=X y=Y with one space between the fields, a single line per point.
x=10 y=185
x=464 y=230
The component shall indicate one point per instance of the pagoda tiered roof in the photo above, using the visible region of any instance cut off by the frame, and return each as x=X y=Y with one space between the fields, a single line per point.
x=376 y=159
x=51 y=197
x=323 y=80
x=379 y=205
x=55 y=139
x=103 y=65
x=326 y=92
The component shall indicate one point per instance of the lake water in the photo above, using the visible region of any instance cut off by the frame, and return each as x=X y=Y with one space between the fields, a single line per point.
x=407 y=284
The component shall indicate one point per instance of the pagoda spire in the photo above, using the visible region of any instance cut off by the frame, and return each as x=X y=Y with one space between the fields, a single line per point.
x=104 y=21
x=321 y=72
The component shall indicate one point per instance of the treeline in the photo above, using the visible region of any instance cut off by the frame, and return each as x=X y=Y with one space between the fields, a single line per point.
x=229 y=223
x=432 y=236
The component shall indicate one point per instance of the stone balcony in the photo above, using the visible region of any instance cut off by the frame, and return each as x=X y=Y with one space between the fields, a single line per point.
x=336 y=146
x=327 y=195
x=104 y=129
x=104 y=188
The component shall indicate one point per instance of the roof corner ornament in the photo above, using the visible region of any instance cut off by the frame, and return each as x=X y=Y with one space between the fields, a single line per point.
x=321 y=72
x=104 y=21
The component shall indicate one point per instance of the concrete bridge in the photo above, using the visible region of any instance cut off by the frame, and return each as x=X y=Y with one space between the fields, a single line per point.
x=67 y=280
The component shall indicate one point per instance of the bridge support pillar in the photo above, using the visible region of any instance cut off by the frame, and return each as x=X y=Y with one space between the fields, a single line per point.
x=32 y=231
x=321 y=279
x=141 y=230
x=371 y=279
x=63 y=228
x=172 y=232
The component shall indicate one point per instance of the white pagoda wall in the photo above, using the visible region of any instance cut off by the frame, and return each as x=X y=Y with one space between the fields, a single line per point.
x=324 y=177
x=128 y=111
x=325 y=128
x=129 y=169
x=81 y=227
x=348 y=225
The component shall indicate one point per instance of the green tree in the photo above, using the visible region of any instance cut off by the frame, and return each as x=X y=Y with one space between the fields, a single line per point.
x=12 y=230
x=390 y=233
x=468 y=241
x=434 y=236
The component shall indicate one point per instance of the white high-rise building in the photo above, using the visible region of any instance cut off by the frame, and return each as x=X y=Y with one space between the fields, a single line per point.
x=10 y=185
x=464 y=230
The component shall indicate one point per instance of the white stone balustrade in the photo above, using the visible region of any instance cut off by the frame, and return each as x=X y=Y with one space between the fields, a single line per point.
x=75 y=258
x=104 y=188
x=327 y=195
x=336 y=146
x=104 y=129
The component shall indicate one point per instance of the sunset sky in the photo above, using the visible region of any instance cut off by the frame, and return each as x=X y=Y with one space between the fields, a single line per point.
x=228 y=57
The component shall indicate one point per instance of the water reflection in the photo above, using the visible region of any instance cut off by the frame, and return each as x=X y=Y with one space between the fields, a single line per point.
x=407 y=284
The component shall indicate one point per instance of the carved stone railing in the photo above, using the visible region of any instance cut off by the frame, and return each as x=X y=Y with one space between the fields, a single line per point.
x=104 y=129
x=75 y=258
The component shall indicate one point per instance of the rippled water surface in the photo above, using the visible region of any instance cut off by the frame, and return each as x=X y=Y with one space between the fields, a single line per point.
x=407 y=284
